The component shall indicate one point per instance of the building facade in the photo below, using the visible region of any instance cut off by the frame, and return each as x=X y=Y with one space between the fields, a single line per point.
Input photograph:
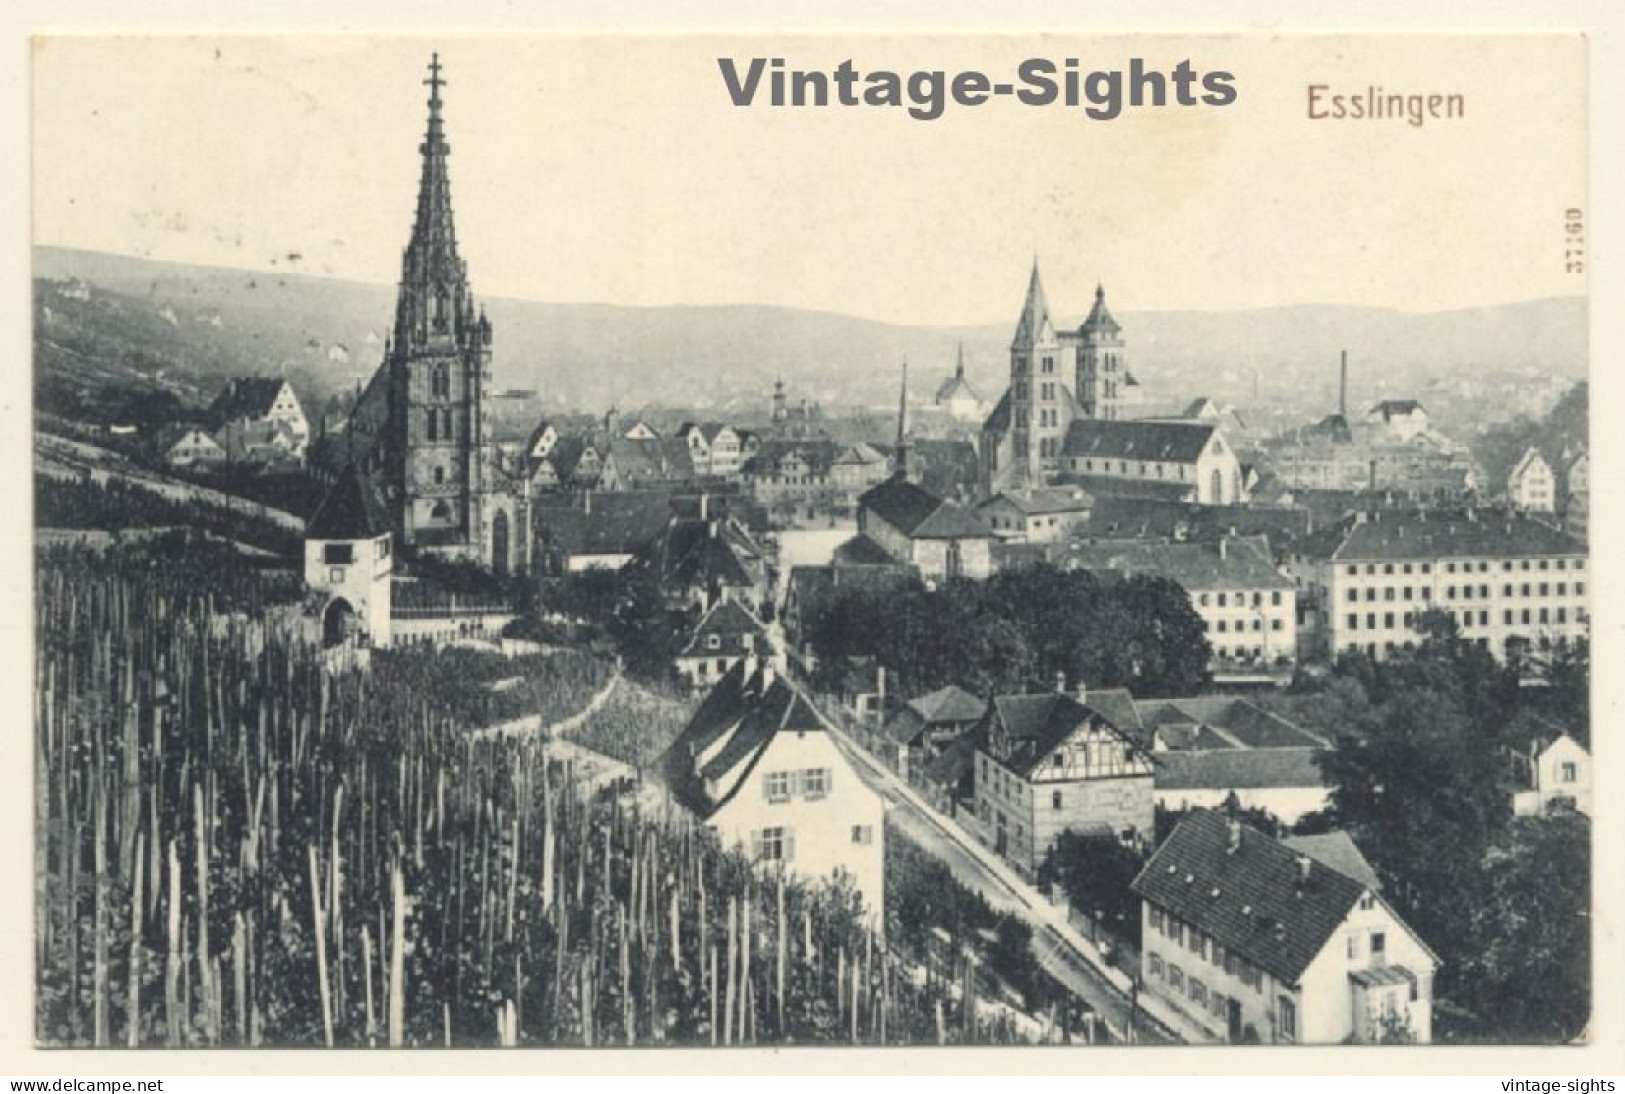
x=758 y=767
x=1260 y=943
x=1048 y=762
x=1531 y=486
x=1511 y=583
x=349 y=562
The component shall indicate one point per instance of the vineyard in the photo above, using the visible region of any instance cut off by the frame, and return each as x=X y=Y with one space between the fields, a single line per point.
x=237 y=844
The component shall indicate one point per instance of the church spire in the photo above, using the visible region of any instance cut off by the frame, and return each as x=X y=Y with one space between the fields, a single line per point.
x=959 y=369
x=1034 y=325
x=434 y=290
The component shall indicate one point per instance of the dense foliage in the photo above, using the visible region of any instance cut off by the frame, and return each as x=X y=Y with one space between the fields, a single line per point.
x=1421 y=779
x=635 y=724
x=1033 y=622
x=1095 y=873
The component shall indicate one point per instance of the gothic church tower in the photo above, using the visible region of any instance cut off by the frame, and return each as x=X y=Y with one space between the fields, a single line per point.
x=439 y=456
x=1038 y=405
x=1102 y=376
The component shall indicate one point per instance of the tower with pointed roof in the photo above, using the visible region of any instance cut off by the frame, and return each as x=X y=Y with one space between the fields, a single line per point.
x=423 y=425
x=1038 y=404
x=1102 y=377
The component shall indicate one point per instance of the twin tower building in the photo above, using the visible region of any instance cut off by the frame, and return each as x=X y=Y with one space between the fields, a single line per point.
x=1022 y=440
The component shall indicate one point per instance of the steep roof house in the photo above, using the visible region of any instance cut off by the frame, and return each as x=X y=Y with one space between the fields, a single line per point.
x=758 y=766
x=1260 y=942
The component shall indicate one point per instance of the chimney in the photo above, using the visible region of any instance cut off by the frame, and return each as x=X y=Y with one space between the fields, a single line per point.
x=1234 y=836
x=1082 y=692
x=705 y=505
x=1343 y=388
x=767 y=675
x=1305 y=864
x=1060 y=683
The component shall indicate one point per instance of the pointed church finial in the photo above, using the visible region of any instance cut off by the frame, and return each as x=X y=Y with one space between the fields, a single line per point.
x=959 y=369
x=1100 y=291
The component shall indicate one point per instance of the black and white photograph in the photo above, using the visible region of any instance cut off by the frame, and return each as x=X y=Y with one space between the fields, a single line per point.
x=900 y=541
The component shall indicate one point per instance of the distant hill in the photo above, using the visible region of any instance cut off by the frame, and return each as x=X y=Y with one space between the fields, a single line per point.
x=326 y=335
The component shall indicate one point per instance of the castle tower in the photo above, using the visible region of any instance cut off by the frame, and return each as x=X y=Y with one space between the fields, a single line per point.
x=1101 y=375
x=439 y=456
x=1037 y=416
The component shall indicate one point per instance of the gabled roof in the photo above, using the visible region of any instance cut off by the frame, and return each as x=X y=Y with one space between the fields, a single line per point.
x=956 y=386
x=1223 y=769
x=1044 y=500
x=701 y=554
x=1023 y=729
x=1244 y=563
x=1165 y=441
x=948 y=704
x=619 y=523
x=1339 y=851
x=861 y=551
x=245 y=397
x=351 y=509
x=738 y=719
x=1034 y=327
x=920 y=514
x=729 y=623
x=1530 y=459
x=1396 y=535
x=1240 y=723
x=1252 y=898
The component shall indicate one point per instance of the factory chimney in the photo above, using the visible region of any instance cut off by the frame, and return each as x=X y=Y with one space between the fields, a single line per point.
x=1343 y=388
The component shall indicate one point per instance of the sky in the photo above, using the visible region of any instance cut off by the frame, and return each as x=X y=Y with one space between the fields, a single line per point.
x=617 y=169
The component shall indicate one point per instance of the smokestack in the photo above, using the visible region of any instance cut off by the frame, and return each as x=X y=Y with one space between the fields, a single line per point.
x=1343 y=388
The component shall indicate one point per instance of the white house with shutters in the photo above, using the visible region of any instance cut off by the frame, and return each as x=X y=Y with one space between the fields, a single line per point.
x=758 y=766
x=1261 y=942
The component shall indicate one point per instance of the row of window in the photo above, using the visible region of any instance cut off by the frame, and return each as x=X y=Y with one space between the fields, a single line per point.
x=1146 y=470
x=1223 y=600
x=1241 y=625
x=1217 y=1002
x=811 y=784
x=1468 y=592
x=1202 y=945
x=1481 y=567
x=1509 y=618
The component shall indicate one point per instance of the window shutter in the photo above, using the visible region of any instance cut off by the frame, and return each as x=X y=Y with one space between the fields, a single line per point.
x=756 y=844
x=789 y=844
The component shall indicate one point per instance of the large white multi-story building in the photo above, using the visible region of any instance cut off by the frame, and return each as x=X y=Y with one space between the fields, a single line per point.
x=1508 y=580
x=758 y=766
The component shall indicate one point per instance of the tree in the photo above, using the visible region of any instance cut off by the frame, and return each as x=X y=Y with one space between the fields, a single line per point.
x=1530 y=929
x=1095 y=873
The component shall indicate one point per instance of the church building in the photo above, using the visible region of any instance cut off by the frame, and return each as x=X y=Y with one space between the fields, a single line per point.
x=422 y=425
x=1023 y=437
